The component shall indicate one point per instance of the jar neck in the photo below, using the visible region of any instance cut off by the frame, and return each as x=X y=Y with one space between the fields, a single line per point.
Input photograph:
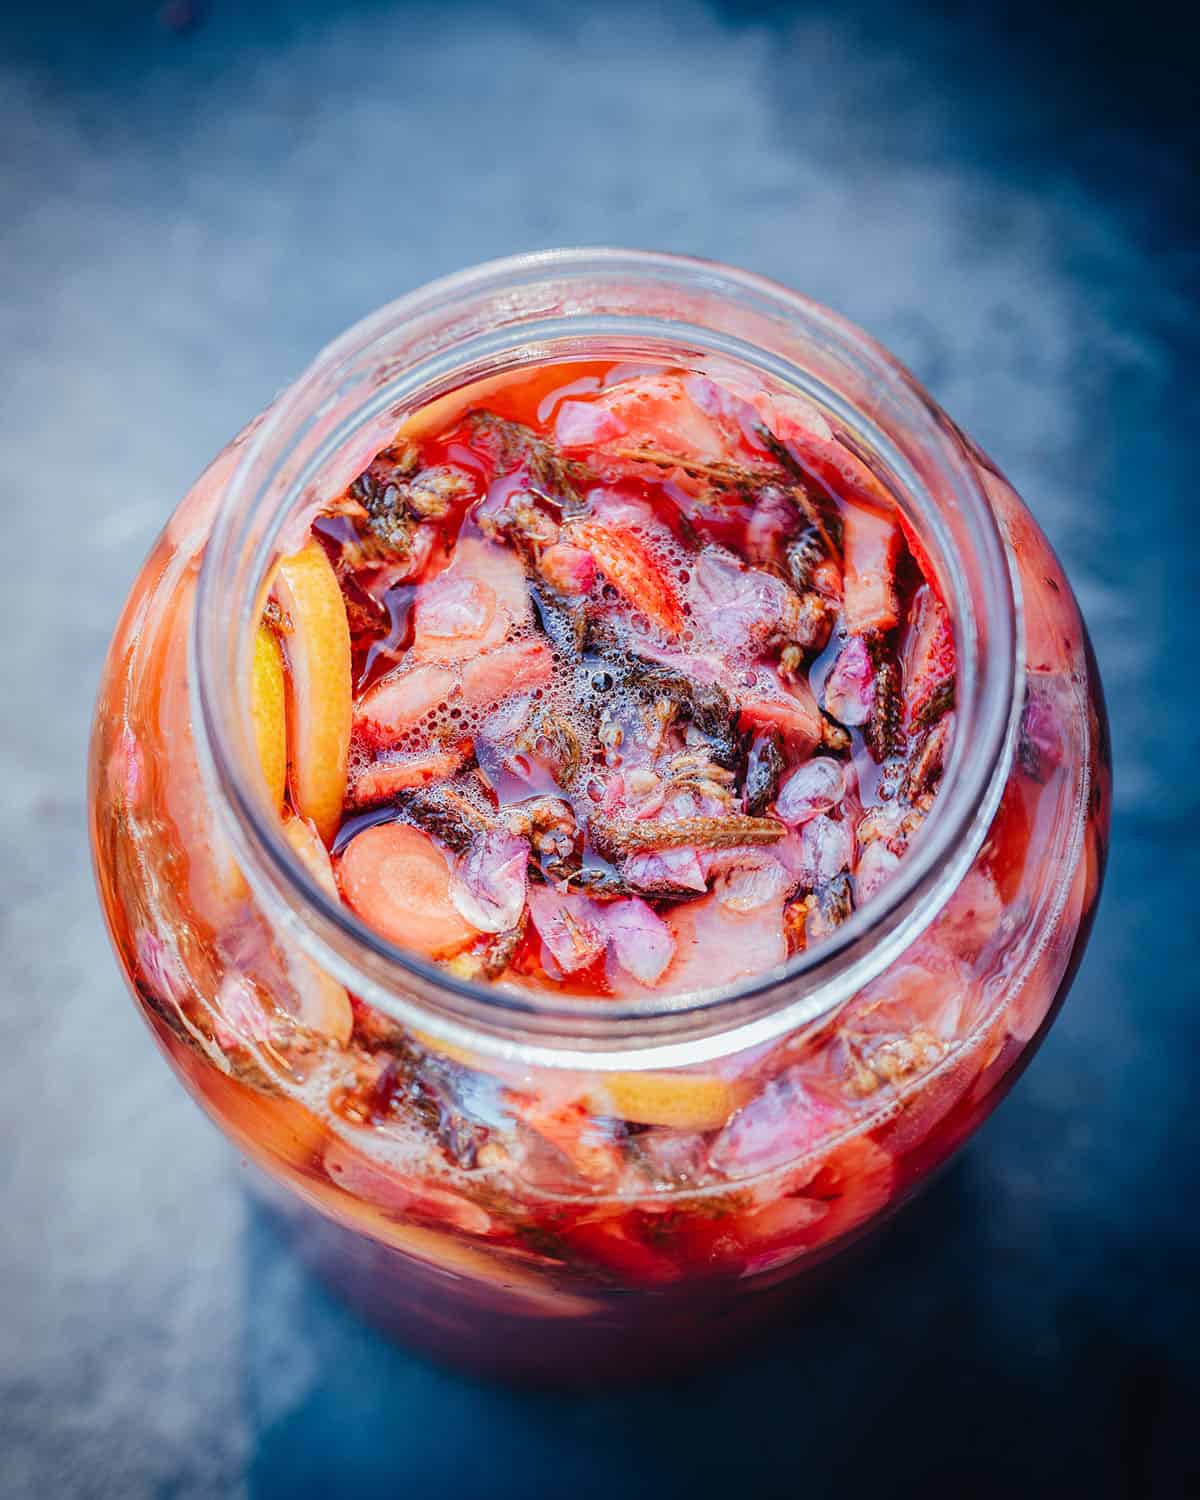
x=613 y=304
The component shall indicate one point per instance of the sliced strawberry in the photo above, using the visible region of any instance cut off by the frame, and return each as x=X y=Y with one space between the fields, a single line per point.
x=633 y=571
x=510 y=669
x=384 y=779
x=928 y=657
x=788 y=707
x=816 y=449
x=398 y=702
x=649 y=411
x=919 y=555
x=872 y=544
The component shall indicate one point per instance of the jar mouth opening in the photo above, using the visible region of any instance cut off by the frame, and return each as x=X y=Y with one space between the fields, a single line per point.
x=529 y=310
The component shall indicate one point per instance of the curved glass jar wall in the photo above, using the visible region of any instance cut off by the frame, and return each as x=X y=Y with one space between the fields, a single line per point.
x=570 y=1189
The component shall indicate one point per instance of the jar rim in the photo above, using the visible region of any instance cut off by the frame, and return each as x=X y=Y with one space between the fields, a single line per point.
x=525 y=303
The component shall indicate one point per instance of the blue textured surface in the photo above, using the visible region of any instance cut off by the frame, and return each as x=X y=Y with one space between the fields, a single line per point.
x=186 y=215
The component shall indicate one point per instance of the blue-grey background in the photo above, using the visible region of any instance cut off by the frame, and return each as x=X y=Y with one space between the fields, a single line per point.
x=192 y=201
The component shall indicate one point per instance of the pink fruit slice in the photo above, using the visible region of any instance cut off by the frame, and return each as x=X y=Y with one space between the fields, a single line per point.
x=400 y=701
x=383 y=779
x=631 y=568
x=872 y=544
x=509 y=669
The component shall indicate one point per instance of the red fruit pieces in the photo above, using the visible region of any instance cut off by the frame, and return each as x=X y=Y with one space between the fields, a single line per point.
x=384 y=779
x=399 y=702
x=615 y=1244
x=928 y=657
x=872 y=546
x=516 y=668
x=632 y=569
x=788 y=707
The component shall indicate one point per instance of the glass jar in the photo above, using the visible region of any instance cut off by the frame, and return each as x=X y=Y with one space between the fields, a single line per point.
x=538 y=1185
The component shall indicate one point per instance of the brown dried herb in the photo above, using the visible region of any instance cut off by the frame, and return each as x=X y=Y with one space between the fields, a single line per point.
x=433 y=493
x=833 y=903
x=452 y=819
x=552 y=736
x=412 y=1084
x=720 y=476
x=524 y=525
x=935 y=705
x=502 y=949
x=277 y=619
x=618 y=837
x=882 y=729
x=807 y=622
x=706 y=704
x=396 y=494
x=512 y=445
x=549 y=825
x=598 y=881
x=822 y=517
x=927 y=761
x=874 y=1061
x=834 y=737
x=803 y=557
x=764 y=767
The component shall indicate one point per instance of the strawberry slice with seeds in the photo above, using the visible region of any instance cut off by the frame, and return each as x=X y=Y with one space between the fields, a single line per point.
x=397 y=703
x=384 y=779
x=633 y=571
x=518 y=667
x=919 y=553
x=872 y=545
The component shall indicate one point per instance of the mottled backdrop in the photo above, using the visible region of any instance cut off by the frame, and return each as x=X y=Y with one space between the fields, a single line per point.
x=192 y=201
